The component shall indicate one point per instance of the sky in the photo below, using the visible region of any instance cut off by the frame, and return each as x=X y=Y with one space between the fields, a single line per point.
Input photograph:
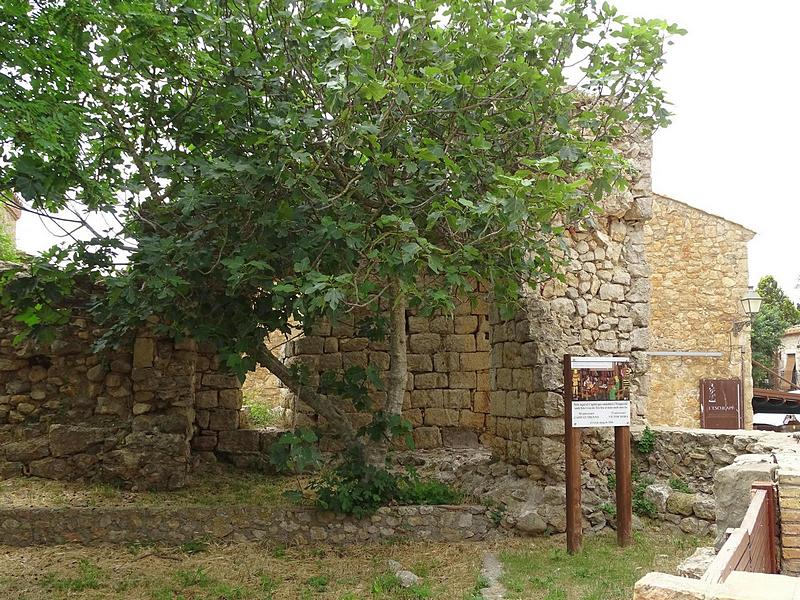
x=732 y=147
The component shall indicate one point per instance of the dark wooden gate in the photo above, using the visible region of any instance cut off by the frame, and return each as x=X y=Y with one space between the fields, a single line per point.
x=721 y=404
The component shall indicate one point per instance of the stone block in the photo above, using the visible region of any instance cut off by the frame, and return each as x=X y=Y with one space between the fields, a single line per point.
x=418 y=324
x=462 y=380
x=457 y=398
x=353 y=344
x=548 y=426
x=143 y=352
x=428 y=381
x=441 y=324
x=660 y=586
x=427 y=399
x=480 y=401
x=460 y=343
x=732 y=489
x=697 y=564
x=66 y=440
x=10 y=469
x=458 y=437
x=475 y=361
x=427 y=437
x=220 y=381
x=206 y=399
x=465 y=324
x=472 y=420
x=441 y=417
x=204 y=443
x=420 y=363
x=355 y=359
x=446 y=362
x=230 y=399
x=26 y=450
x=267 y=437
x=223 y=420
x=424 y=343
x=238 y=441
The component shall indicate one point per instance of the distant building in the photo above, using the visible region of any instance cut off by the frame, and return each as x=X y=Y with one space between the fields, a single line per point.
x=9 y=214
x=698 y=264
x=787 y=360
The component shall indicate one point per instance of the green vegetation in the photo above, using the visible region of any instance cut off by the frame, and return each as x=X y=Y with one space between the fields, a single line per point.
x=271 y=164
x=475 y=593
x=194 y=546
x=226 y=486
x=642 y=506
x=777 y=314
x=261 y=415
x=8 y=249
x=88 y=578
x=387 y=586
x=679 y=485
x=602 y=571
x=610 y=509
x=647 y=441
x=358 y=489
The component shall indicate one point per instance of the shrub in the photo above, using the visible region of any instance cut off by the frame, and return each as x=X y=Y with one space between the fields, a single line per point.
x=647 y=442
x=360 y=489
x=641 y=505
x=679 y=485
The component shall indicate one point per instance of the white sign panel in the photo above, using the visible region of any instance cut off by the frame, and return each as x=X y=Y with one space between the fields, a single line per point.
x=604 y=413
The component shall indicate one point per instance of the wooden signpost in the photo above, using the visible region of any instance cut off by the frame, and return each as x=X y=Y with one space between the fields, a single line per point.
x=597 y=394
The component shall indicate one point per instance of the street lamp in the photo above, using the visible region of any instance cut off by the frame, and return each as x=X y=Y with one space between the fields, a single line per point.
x=751 y=303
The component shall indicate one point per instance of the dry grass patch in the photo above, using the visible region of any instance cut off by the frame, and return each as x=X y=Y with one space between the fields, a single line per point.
x=224 y=486
x=239 y=572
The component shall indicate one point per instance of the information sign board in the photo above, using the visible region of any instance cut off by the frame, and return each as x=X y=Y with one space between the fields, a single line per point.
x=600 y=392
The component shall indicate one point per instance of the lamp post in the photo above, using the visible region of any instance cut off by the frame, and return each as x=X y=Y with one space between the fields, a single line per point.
x=751 y=304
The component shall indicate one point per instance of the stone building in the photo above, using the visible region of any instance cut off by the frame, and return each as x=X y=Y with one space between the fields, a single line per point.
x=698 y=275
x=787 y=360
x=9 y=215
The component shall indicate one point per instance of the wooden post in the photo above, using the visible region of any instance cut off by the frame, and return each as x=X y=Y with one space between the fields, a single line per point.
x=572 y=455
x=622 y=464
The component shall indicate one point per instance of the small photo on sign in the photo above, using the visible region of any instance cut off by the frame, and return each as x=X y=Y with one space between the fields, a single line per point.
x=602 y=384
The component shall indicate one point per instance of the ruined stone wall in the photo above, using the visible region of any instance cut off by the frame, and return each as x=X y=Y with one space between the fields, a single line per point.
x=447 y=394
x=699 y=275
x=601 y=308
x=124 y=416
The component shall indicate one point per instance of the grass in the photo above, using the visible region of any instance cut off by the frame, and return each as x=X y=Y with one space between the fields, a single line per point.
x=87 y=578
x=262 y=415
x=535 y=569
x=602 y=571
x=238 y=572
x=226 y=486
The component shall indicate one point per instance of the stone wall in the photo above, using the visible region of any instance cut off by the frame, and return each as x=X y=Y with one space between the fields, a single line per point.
x=447 y=395
x=698 y=275
x=125 y=416
x=175 y=526
x=601 y=308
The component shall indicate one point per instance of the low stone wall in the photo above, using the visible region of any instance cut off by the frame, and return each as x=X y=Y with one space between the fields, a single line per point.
x=695 y=455
x=695 y=514
x=175 y=526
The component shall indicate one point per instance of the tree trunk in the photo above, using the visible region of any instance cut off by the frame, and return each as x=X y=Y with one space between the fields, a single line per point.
x=338 y=421
x=398 y=372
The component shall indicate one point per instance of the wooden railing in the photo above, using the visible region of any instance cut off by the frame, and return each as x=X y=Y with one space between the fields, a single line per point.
x=753 y=545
